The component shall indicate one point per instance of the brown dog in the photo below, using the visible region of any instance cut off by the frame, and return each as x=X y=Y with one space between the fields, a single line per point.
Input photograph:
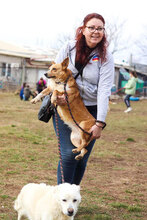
x=58 y=74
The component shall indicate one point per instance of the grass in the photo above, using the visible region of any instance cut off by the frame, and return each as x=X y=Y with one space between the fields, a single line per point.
x=114 y=184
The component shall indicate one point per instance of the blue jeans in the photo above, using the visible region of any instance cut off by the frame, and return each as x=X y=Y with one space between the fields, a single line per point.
x=73 y=170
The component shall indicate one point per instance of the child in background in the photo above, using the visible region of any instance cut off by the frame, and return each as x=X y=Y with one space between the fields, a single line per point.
x=22 y=91
x=130 y=89
x=27 y=93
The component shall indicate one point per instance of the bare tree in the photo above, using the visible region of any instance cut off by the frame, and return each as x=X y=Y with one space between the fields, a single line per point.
x=142 y=42
x=140 y=47
x=60 y=40
x=115 y=35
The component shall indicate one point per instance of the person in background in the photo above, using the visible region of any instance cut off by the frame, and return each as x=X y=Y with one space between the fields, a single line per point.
x=41 y=85
x=22 y=91
x=145 y=86
x=130 y=89
x=94 y=83
x=27 y=93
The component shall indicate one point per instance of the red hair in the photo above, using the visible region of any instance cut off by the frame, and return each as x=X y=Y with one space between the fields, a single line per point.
x=82 y=53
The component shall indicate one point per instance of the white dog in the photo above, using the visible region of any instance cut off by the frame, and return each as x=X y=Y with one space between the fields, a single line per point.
x=44 y=202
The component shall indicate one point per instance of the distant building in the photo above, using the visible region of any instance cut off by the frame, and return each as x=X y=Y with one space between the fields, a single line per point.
x=18 y=65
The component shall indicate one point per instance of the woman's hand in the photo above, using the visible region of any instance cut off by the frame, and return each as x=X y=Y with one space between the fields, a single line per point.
x=96 y=132
x=61 y=100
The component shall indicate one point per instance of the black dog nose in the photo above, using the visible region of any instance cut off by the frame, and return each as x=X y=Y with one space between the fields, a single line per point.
x=70 y=211
x=45 y=74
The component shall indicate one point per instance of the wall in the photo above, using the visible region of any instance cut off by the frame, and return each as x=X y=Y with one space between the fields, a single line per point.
x=20 y=72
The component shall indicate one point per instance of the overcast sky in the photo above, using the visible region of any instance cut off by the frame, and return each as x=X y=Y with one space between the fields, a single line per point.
x=29 y=21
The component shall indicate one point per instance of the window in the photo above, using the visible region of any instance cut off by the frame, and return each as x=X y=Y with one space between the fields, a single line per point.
x=6 y=69
x=3 y=69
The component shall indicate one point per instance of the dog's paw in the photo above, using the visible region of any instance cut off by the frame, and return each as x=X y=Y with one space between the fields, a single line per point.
x=75 y=151
x=34 y=101
x=79 y=157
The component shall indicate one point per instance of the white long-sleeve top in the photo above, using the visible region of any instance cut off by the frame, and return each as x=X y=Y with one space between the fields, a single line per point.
x=96 y=81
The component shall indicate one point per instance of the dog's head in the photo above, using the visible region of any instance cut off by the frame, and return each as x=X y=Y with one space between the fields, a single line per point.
x=69 y=198
x=58 y=71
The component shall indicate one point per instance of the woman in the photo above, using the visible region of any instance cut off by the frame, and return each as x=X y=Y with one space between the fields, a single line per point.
x=130 y=89
x=94 y=82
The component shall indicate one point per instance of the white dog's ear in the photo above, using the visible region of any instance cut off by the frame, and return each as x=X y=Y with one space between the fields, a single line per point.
x=77 y=187
x=65 y=63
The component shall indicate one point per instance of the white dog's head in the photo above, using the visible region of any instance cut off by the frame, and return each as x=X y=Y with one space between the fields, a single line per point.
x=70 y=198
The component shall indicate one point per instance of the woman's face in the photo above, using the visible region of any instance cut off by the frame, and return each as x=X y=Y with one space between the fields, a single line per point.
x=93 y=32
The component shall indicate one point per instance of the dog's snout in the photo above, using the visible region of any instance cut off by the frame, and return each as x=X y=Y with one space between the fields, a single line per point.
x=48 y=75
x=70 y=211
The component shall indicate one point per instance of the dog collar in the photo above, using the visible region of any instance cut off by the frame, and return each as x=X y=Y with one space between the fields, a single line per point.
x=58 y=82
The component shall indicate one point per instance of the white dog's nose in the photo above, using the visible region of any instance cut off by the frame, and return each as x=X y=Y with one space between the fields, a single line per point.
x=70 y=211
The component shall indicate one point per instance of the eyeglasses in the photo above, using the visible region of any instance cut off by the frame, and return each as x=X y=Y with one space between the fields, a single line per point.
x=93 y=29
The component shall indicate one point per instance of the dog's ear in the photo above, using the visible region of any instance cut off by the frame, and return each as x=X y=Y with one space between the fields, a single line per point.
x=65 y=63
x=77 y=187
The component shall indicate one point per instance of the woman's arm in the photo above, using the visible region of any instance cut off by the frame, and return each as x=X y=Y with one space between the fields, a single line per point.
x=104 y=87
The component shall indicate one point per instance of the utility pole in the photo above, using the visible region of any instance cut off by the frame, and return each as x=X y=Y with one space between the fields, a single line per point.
x=131 y=60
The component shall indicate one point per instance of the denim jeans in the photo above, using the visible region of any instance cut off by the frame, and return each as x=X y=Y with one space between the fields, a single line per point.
x=73 y=170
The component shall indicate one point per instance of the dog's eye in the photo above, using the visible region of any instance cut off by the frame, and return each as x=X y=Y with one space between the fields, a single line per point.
x=54 y=69
x=75 y=200
x=64 y=200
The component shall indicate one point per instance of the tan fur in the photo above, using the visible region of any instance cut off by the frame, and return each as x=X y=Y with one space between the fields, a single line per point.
x=60 y=72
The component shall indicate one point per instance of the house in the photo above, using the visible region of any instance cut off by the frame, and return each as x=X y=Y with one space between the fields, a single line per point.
x=18 y=65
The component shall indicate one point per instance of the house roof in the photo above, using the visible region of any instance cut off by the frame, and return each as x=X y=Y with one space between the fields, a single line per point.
x=17 y=51
x=127 y=76
x=138 y=70
x=13 y=50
